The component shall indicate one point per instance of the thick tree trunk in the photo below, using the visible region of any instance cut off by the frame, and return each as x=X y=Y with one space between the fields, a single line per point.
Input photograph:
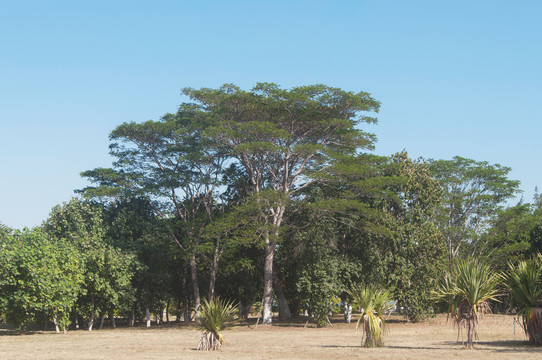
x=194 y=279
x=534 y=327
x=284 y=309
x=267 y=312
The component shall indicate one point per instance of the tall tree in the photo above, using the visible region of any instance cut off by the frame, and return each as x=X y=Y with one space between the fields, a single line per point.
x=473 y=193
x=414 y=251
x=173 y=165
x=282 y=139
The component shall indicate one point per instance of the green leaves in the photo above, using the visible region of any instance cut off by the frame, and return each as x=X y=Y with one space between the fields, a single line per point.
x=39 y=274
x=473 y=193
x=525 y=284
x=215 y=316
x=374 y=303
x=471 y=285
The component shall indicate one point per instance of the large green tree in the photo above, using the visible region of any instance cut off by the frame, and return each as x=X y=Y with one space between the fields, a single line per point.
x=172 y=164
x=282 y=139
x=474 y=191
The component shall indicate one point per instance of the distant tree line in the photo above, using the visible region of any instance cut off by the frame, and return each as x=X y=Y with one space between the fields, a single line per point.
x=267 y=197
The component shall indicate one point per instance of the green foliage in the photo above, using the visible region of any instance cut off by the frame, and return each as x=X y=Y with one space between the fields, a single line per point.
x=414 y=251
x=374 y=302
x=509 y=237
x=525 y=283
x=318 y=267
x=468 y=290
x=473 y=193
x=214 y=316
x=38 y=275
x=107 y=270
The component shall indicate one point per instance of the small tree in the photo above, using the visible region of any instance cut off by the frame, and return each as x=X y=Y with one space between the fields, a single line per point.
x=525 y=284
x=215 y=316
x=374 y=304
x=468 y=291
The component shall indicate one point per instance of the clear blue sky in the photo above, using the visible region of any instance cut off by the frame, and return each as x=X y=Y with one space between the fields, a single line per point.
x=454 y=77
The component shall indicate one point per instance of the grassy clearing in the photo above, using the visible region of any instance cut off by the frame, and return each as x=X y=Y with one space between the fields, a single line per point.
x=432 y=339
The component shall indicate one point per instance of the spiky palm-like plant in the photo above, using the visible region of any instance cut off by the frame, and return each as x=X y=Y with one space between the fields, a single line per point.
x=374 y=303
x=525 y=284
x=215 y=316
x=468 y=291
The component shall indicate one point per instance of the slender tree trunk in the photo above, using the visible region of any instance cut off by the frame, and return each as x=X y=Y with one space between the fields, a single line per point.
x=284 y=309
x=194 y=279
x=76 y=321
x=166 y=310
x=186 y=313
x=45 y=322
x=470 y=331
x=55 y=321
x=92 y=315
x=348 y=312
x=102 y=318
x=241 y=310
x=214 y=267
x=178 y=313
x=112 y=320
x=148 y=315
x=132 y=317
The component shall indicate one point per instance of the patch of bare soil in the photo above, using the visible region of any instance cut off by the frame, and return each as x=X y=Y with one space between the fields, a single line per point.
x=431 y=339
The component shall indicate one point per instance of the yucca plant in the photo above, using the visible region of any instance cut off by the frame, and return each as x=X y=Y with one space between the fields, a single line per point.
x=214 y=316
x=374 y=303
x=468 y=290
x=525 y=284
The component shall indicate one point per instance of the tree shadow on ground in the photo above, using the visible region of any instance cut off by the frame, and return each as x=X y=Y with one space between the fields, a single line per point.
x=9 y=330
x=510 y=346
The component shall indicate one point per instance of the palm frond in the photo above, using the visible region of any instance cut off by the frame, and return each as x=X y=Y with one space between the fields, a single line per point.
x=374 y=302
x=214 y=316
x=525 y=284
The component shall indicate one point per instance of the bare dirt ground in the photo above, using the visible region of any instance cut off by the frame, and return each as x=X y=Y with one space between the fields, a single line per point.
x=432 y=339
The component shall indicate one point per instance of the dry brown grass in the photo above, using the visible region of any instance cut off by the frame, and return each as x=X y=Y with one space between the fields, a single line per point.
x=432 y=339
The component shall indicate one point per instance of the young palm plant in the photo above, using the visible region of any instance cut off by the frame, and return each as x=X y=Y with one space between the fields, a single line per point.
x=215 y=316
x=468 y=291
x=525 y=284
x=374 y=304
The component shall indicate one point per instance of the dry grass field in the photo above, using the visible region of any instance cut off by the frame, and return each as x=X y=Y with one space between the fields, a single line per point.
x=432 y=339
